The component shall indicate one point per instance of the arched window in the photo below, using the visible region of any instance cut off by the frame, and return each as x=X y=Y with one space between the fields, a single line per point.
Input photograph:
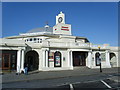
x=113 y=60
x=97 y=58
x=57 y=59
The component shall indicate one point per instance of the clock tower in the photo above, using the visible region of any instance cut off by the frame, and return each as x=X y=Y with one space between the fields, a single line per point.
x=61 y=27
x=60 y=18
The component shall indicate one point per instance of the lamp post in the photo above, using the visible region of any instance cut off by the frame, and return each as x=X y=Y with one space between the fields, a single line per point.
x=100 y=59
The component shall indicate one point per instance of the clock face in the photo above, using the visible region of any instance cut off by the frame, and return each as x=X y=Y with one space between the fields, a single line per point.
x=60 y=19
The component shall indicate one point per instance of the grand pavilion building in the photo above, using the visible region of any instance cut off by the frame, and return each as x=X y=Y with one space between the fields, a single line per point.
x=54 y=48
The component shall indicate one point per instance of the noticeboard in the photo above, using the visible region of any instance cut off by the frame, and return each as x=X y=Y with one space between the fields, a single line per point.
x=51 y=56
x=57 y=60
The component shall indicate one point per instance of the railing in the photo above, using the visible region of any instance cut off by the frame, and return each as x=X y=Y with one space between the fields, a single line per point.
x=85 y=45
x=45 y=43
x=11 y=42
x=74 y=45
x=64 y=44
x=102 y=46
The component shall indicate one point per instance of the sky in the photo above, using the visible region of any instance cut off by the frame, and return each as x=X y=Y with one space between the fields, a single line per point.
x=97 y=21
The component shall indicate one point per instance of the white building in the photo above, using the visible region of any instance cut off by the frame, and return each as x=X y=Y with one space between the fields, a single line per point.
x=54 y=48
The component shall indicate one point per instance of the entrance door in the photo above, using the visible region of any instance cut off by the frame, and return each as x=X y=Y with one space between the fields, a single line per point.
x=76 y=59
x=32 y=60
x=30 y=63
x=79 y=58
x=82 y=59
x=6 y=61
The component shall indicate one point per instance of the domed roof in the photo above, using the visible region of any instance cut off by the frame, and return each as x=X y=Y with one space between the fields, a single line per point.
x=42 y=29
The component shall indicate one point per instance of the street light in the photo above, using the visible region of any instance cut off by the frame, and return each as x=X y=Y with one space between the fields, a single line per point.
x=100 y=59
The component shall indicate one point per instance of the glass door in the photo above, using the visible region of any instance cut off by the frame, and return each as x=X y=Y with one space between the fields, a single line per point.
x=6 y=61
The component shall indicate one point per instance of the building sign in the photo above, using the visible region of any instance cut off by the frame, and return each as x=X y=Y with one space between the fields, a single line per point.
x=51 y=56
x=65 y=28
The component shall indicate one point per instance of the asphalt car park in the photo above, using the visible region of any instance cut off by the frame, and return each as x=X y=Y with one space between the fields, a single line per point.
x=109 y=79
x=101 y=84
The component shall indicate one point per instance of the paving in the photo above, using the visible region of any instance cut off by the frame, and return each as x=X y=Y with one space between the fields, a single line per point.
x=42 y=75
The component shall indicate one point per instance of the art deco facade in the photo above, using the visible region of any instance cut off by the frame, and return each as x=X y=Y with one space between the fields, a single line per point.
x=54 y=48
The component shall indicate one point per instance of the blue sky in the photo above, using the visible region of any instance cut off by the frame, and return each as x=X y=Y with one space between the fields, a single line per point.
x=98 y=21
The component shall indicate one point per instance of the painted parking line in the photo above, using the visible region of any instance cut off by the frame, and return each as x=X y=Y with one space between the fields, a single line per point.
x=71 y=87
x=105 y=84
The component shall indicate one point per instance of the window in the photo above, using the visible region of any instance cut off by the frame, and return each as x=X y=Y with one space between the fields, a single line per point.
x=57 y=59
x=103 y=57
x=35 y=40
x=30 y=39
x=97 y=59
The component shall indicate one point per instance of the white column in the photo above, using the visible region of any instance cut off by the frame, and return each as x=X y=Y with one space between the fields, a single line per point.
x=46 y=52
x=93 y=60
x=18 y=60
x=117 y=58
x=22 y=61
x=71 y=59
x=89 y=58
x=108 y=59
x=43 y=58
x=68 y=59
x=40 y=60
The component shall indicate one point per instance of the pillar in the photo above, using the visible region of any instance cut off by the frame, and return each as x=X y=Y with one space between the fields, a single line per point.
x=22 y=60
x=89 y=58
x=108 y=59
x=71 y=59
x=46 y=54
x=94 y=59
x=68 y=58
x=18 y=60
x=40 y=60
x=117 y=59
x=43 y=58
